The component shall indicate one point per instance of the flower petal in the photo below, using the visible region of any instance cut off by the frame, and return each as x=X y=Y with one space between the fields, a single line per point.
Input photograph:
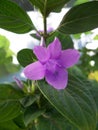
x=69 y=57
x=55 y=48
x=35 y=71
x=58 y=79
x=41 y=53
x=51 y=65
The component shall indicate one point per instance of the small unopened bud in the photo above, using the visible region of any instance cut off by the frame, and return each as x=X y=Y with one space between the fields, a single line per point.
x=50 y=29
x=42 y=43
x=18 y=82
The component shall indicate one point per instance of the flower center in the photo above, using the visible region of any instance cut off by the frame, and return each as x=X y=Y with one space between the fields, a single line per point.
x=51 y=66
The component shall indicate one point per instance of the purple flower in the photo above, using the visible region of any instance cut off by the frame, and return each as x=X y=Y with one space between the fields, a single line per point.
x=52 y=64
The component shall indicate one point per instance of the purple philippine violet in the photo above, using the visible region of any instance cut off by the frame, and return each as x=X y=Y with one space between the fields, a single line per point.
x=52 y=64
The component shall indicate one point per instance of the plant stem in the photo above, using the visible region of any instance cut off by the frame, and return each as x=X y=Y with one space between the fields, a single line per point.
x=45 y=23
x=45 y=29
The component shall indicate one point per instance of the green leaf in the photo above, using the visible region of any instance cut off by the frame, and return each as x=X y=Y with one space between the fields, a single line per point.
x=4 y=42
x=6 y=59
x=29 y=100
x=19 y=121
x=31 y=114
x=14 y=67
x=80 y=2
x=80 y=18
x=9 y=125
x=48 y=6
x=13 y=18
x=92 y=85
x=94 y=90
x=5 y=52
x=53 y=121
x=65 y=40
x=25 y=57
x=9 y=102
x=9 y=110
x=75 y=102
x=96 y=37
x=77 y=36
x=8 y=92
x=34 y=36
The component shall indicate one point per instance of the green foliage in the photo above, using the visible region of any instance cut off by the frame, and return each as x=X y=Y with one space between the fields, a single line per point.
x=9 y=125
x=25 y=57
x=43 y=118
x=53 y=121
x=85 y=60
x=31 y=114
x=93 y=87
x=19 y=121
x=95 y=58
x=13 y=18
x=80 y=1
x=48 y=6
x=96 y=37
x=75 y=103
x=6 y=57
x=29 y=100
x=9 y=102
x=74 y=22
x=65 y=39
x=4 y=50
